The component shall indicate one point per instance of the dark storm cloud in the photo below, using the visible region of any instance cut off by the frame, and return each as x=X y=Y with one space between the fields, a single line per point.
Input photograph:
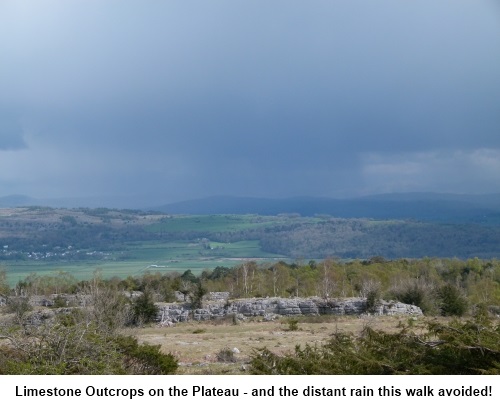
x=11 y=133
x=260 y=98
x=10 y=139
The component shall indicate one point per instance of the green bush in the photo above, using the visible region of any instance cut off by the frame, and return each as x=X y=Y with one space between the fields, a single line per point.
x=197 y=295
x=452 y=301
x=372 y=300
x=58 y=349
x=145 y=358
x=471 y=347
x=144 y=309
x=293 y=325
x=79 y=348
x=419 y=293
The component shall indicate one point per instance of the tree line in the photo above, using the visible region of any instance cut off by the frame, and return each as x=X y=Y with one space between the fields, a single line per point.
x=438 y=286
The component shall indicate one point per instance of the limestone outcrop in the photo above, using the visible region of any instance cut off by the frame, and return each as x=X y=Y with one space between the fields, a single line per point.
x=267 y=307
x=218 y=305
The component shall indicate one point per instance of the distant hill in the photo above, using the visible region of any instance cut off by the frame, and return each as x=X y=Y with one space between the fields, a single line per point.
x=435 y=207
x=77 y=235
x=429 y=207
x=11 y=201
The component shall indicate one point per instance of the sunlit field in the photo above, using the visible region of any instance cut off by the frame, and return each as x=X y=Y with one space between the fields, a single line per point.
x=137 y=258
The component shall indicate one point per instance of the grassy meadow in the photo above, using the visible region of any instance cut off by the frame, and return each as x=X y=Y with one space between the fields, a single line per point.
x=212 y=223
x=197 y=344
x=139 y=257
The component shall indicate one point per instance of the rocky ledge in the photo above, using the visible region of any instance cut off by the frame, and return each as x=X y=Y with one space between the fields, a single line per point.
x=272 y=307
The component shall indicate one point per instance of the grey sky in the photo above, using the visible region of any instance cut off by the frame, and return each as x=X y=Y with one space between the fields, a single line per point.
x=181 y=99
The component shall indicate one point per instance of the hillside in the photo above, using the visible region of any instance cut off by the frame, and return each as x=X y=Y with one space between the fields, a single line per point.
x=433 y=207
x=444 y=208
x=39 y=234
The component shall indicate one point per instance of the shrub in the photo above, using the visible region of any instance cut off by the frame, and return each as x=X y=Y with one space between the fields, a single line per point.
x=79 y=348
x=452 y=301
x=145 y=358
x=4 y=286
x=471 y=347
x=60 y=302
x=293 y=325
x=57 y=349
x=417 y=292
x=197 y=296
x=372 y=300
x=19 y=306
x=226 y=355
x=109 y=308
x=144 y=309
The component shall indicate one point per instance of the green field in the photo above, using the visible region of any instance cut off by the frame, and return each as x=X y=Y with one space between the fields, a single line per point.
x=220 y=223
x=137 y=258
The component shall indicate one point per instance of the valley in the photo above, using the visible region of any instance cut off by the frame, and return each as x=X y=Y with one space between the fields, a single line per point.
x=130 y=242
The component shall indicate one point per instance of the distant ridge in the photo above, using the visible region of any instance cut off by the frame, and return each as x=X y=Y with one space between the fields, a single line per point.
x=454 y=208
x=114 y=202
x=17 y=200
x=433 y=207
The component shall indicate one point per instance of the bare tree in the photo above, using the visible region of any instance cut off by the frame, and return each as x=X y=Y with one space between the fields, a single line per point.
x=327 y=283
x=108 y=307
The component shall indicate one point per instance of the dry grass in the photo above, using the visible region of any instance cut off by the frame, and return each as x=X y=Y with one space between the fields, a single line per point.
x=196 y=344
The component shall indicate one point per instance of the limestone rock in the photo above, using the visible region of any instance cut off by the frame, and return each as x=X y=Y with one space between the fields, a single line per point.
x=270 y=308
